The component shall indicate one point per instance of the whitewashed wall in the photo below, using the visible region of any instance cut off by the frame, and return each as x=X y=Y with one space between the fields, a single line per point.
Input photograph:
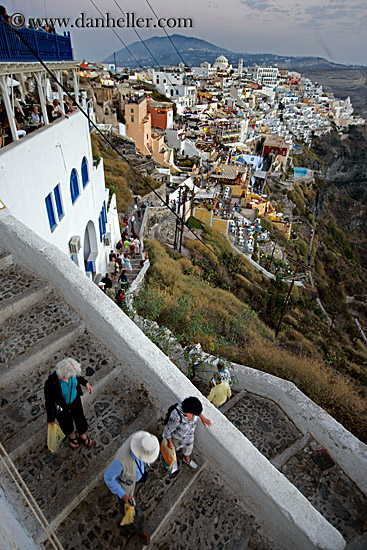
x=33 y=166
x=12 y=533
x=346 y=449
x=285 y=514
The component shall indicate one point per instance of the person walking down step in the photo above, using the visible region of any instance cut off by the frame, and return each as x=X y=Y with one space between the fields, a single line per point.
x=127 y=260
x=220 y=392
x=224 y=374
x=127 y=470
x=62 y=400
x=180 y=425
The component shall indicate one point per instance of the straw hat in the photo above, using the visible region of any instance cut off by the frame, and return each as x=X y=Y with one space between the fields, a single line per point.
x=145 y=446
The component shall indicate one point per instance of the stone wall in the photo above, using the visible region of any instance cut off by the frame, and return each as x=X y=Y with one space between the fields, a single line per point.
x=283 y=512
x=152 y=197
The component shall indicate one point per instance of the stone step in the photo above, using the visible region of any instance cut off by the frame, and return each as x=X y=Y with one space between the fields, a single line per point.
x=358 y=543
x=56 y=480
x=25 y=400
x=30 y=327
x=330 y=491
x=21 y=302
x=40 y=352
x=207 y=517
x=264 y=424
x=280 y=460
x=157 y=518
x=15 y=281
x=6 y=260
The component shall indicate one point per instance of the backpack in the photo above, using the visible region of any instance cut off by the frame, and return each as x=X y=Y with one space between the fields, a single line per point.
x=169 y=412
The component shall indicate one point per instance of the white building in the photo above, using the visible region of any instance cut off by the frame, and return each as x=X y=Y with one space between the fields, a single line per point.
x=49 y=181
x=221 y=64
x=266 y=75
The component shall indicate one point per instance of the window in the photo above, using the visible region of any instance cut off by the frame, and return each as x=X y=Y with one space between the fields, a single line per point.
x=85 y=173
x=58 y=201
x=50 y=212
x=74 y=185
x=131 y=118
x=100 y=227
x=103 y=219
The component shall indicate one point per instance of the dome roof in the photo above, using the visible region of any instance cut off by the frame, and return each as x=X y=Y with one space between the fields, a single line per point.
x=221 y=63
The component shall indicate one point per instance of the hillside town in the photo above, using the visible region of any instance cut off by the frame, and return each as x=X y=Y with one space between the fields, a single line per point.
x=220 y=131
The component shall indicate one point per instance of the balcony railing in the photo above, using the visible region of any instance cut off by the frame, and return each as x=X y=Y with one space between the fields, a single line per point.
x=49 y=46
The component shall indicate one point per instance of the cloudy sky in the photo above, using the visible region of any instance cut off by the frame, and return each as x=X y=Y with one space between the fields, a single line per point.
x=334 y=29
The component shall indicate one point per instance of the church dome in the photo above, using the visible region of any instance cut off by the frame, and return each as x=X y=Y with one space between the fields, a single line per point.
x=221 y=63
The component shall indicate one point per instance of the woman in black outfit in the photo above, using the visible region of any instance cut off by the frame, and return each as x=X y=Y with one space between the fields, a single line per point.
x=62 y=395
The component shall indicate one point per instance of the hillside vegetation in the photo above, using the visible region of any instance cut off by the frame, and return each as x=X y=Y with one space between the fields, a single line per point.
x=232 y=311
x=119 y=176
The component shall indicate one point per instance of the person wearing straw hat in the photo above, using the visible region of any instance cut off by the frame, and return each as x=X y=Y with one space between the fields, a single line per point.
x=129 y=468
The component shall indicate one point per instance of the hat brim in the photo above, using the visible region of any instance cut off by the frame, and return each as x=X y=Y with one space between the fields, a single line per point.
x=136 y=447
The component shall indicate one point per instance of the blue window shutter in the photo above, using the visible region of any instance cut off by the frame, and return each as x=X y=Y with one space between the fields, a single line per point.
x=85 y=173
x=74 y=185
x=103 y=222
x=50 y=212
x=105 y=211
x=100 y=228
x=58 y=201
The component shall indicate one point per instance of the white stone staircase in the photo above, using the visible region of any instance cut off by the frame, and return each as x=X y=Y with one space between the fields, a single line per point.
x=191 y=510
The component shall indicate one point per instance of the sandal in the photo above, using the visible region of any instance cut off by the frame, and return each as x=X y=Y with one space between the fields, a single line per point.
x=74 y=443
x=87 y=442
x=144 y=538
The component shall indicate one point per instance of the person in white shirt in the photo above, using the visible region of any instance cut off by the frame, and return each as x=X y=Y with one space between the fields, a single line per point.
x=36 y=118
x=137 y=245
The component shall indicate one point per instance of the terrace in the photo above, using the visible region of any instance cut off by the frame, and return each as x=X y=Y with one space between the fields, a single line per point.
x=48 y=46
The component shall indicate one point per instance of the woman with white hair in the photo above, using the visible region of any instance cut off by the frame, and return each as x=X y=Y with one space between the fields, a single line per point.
x=62 y=395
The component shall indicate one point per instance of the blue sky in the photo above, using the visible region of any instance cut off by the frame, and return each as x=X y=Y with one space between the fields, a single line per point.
x=335 y=29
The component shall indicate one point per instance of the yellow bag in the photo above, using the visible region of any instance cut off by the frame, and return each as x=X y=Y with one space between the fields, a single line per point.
x=55 y=437
x=129 y=515
x=168 y=455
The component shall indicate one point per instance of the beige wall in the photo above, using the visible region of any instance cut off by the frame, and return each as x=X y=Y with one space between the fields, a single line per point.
x=220 y=225
x=140 y=128
x=203 y=215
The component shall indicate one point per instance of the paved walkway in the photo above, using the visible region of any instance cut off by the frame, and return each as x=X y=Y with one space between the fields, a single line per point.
x=330 y=491
x=191 y=510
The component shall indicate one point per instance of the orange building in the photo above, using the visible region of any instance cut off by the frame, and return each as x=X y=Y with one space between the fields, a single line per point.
x=139 y=128
x=161 y=115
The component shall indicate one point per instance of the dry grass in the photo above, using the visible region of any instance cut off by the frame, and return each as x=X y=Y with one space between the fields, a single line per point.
x=328 y=389
x=255 y=345
x=119 y=176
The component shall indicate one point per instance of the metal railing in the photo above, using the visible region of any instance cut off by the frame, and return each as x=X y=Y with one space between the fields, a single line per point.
x=49 y=46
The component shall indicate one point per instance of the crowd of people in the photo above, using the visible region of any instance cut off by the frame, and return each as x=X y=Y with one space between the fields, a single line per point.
x=129 y=247
x=28 y=117
x=5 y=17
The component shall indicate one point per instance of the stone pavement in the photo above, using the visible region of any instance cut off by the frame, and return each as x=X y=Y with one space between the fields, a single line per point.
x=270 y=430
x=330 y=491
x=68 y=485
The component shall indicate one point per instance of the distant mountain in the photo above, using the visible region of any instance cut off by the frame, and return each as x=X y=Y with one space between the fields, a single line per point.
x=194 y=51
